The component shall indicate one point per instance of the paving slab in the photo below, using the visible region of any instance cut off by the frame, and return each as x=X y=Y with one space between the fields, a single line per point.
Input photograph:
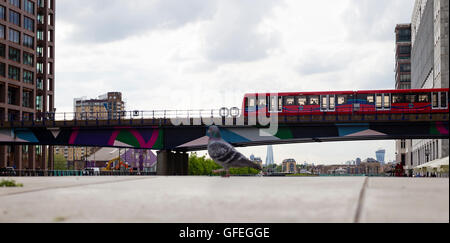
x=182 y=199
x=406 y=200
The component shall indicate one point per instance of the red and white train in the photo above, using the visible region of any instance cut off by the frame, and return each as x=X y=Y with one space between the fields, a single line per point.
x=342 y=102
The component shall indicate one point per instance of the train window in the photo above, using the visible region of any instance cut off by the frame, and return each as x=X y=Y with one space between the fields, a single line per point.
x=387 y=101
x=289 y=100
x=332 y=102
x=379 y=101
x=424 y=98
x=262 y=101
x=370 y=99
x=340 y=99
x=251 y=102
x=301 y=100
x=324 y=102
x=398 y=98
x=280 y=103
x=314 y=100
x=410 y=98
x=435 y=100
x=443 y=99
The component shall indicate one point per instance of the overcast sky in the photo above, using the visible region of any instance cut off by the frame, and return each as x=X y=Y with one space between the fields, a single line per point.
x=205 y=54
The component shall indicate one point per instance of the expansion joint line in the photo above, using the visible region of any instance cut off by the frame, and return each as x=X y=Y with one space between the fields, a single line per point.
x=360 y=201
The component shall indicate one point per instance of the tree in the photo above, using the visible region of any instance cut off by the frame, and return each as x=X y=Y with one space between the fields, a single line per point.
x=204 y=166
x=60 y=163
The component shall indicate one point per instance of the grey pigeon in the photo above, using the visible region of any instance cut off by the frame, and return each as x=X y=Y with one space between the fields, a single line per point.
x=224 y=154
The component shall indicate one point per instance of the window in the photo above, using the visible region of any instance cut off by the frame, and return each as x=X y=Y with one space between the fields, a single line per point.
x=39 y=83
x=2 y=31
x=40 y=3
x=40 y=67
x=15 y=3
x=14 y=54
x=341 y=99
x=410 y=98
x=28 y=23
x=314 y=100
x=301 y=100
x=289 y=100
x=443 y=99
x=50 y=52
x=28 y=77
x=379 y=101
x=40 y=35
x=40 y=51
x=251 y=102
x=405 y=67
x=2 y=50
x=40 y=19
x=261 y=101
x=29 y=6
x=13 y=73
x=435 y=100
x=2 y=69
x=398 y=98
x=324 y=102
x=14 y=36
x=387 y=103
x=424 y=98
x=2 y=13
x=26 y=98
x=28 y=59
x=14 y=17
x=332 y=102
x=28 y=41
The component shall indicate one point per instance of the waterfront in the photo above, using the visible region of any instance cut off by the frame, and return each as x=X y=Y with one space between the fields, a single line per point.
x=194 y=199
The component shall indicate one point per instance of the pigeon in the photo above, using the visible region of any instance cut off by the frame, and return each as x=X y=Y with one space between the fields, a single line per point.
x=224 y=154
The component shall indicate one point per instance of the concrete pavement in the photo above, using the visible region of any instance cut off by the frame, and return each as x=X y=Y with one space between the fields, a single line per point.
x=215 y=199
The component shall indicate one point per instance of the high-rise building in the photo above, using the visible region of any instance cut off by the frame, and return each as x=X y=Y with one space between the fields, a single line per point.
x=269 y=157
x=429 y=69
x=27 y=47
x=402 y=79
x=380 y=153
x=403 y=56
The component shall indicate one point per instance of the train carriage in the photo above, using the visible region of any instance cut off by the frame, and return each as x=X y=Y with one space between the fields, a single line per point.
x=346 y=102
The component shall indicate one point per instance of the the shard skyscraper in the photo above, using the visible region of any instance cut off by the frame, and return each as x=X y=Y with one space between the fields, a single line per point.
x=269 y=157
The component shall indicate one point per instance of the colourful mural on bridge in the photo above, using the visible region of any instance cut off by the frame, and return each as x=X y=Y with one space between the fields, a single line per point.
x=145 y=138
x=193 y=137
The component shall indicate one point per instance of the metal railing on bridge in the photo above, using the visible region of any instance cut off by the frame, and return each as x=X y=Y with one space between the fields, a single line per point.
x=126 y=115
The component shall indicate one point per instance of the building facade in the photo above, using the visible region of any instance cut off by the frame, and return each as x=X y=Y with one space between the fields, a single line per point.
x=429 y=68
x=27 y=47
x=380 y=154
x=107 y=106
x=289 y=166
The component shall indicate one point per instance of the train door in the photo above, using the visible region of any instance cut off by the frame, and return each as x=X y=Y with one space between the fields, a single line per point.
x=383 y=101
x=439 y=100
x=327 y=103
x=275 y=103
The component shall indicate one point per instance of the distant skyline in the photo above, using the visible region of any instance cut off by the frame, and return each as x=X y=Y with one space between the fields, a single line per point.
x=195 y=54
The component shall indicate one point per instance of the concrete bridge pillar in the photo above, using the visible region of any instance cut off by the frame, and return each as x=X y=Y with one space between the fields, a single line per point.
x=172 y=163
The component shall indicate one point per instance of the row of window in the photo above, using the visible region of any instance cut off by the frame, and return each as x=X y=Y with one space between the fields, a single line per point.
x=14 y=73
x=329 y=101
x=14 y=36
x=14 y=55
x=27 y=5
